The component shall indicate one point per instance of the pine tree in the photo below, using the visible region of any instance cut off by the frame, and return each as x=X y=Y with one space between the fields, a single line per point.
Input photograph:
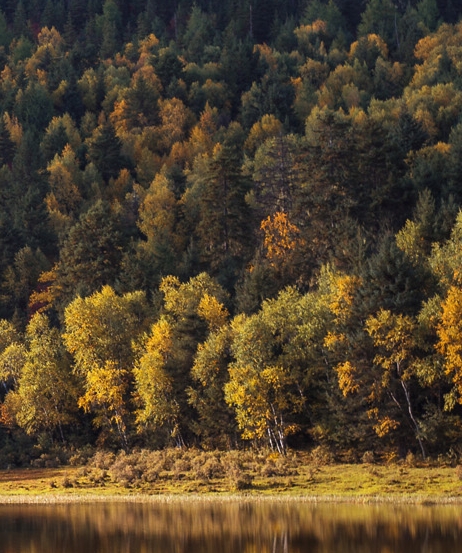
x=91 y=254
x=7 y=146
x=104 y=150
x=224 y=214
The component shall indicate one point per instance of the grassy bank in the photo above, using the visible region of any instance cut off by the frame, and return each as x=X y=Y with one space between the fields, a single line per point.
x=168 y=475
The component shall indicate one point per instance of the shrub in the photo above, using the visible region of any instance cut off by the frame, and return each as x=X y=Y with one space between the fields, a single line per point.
x=180 y=466
x=68 y=482
x=278 y=465
x=102 y=459
x=170 y=456
x=211 y=468
x=233 y=464
x=81 y=456
x=151 y=474
x=46 y=460
x=149 y=464
x=459 y=472
x=207 y=465
x=321 y=456
x=239 y=479
x=97 y=476
x=411 y=460
x=124 y=470
x=368 y=458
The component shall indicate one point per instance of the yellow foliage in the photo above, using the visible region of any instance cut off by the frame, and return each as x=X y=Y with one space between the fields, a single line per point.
x=157 y=211
x=201 y=142
x=351 y=96
x=347 y=378
x=148 y=73
x=120 y=117
x=332 y=339
x=8 y=411
x=47 y=292
x=342 y=298
x=180 y=154
x=267 y=127
x=176 y=118
x=280 y=237
x=393 y=335
x=148 y=44
x=13 y=127
x=385 y=426
x=443 y=148
x=317 y=27
x=425 y=47
x=161 y=338
x=450 y=336
x=268 y=54
x=372 y=40
x=105 y=387
x=213 y=312
x=424 y=117
x=62 y=181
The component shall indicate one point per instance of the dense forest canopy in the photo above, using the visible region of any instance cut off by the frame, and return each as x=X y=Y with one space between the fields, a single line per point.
x=231 y=222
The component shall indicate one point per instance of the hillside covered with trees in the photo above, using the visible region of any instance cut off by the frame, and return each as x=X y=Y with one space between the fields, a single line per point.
x=232 y=222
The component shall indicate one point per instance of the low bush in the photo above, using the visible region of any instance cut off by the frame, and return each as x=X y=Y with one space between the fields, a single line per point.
x=321 y=456
x=459 y=472
x=278 y=465
x=81 y=456
x=46 y=460
x=368 y=458
x=239 y=479
x=102 y=459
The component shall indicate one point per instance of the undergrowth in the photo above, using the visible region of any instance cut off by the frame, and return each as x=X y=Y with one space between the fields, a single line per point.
x=186 y=471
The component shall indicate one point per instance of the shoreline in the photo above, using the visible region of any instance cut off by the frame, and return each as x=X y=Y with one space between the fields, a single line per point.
x=303 y=483
x=389 y=499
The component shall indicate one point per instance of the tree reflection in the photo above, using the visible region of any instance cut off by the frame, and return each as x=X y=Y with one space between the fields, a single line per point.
x=229 y=527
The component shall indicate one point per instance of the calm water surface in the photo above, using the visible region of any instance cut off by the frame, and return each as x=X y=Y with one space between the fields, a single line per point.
x=229 y=527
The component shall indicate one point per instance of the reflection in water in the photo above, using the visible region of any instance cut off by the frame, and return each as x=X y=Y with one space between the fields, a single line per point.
x=229 y=527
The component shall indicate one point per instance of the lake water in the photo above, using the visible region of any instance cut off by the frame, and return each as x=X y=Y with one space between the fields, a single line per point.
x=229 y=527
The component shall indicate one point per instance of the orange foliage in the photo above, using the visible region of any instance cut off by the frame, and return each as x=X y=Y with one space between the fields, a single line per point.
x=281 y=237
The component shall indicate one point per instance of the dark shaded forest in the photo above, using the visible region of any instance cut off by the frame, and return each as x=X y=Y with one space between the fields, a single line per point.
x=230 y=223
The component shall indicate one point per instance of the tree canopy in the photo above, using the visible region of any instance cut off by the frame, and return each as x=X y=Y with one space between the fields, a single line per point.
x=234 y=222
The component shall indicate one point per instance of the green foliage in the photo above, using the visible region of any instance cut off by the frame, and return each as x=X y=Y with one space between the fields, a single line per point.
x=46 y=391
x=277 y=365
x=104 y=150
x=91 y=253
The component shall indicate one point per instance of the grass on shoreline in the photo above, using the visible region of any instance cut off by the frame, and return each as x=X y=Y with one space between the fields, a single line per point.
x=299 y=479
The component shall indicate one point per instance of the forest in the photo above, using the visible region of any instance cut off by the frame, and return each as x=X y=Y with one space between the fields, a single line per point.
x=231 y=224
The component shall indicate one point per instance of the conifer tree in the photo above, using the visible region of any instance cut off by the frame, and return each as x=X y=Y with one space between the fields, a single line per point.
x=224 y=215
x=91 y=254
x=104 y=150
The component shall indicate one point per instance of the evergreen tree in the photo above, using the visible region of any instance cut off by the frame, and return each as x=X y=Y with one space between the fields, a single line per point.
x=7 y=146
x=224 y=214
x=34 y=107
x=20 y=27
x=105 y=151
x=111 y=25
x=5 y=34
x=91 y=254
